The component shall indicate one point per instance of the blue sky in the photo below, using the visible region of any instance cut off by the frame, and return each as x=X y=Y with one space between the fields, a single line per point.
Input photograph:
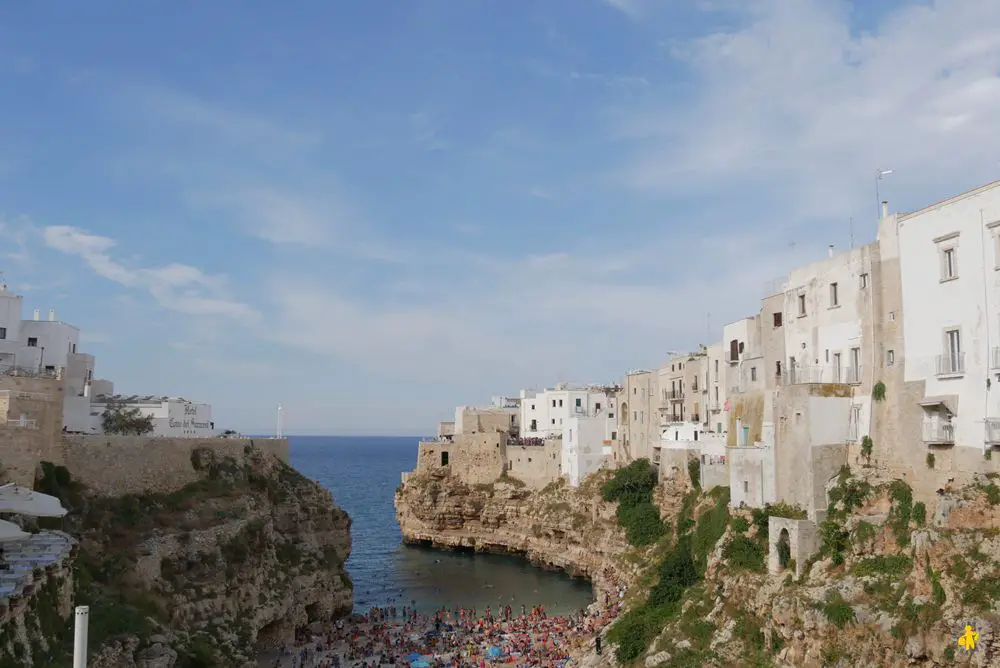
x=373 y=211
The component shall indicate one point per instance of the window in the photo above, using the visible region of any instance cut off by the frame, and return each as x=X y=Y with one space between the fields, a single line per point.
x=777 y=368
x=777 y=318
x=952 y=362
x=834 y=297
x=534 y=425
x=753 y=373
x=717 y=369
x=892 y=316
x=553 y=403
x=532 y=406
x=444 y=458
x=741 y=347
x=746 y=487
x=597 y=406
x=560 y=403
x=32 y=342
x=635 y=415
x=610 y=415
x=802 y=305
x=864 y=281
x=553 y=420
x=3 y=332
x=949 y=263
x=890 y=357
x=614 y=436
x=578 y=404
x=571 y=434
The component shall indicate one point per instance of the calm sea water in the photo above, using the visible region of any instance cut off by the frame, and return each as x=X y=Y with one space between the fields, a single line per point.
x=363 y=473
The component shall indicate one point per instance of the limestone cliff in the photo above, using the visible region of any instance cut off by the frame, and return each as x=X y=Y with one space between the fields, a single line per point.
x=211 y=572
x=560 y=527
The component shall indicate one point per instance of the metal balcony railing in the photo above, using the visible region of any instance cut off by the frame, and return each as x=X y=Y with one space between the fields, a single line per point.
x=822 y=374
x=23 y=424
x=852 y=375
x=673 y=395
x=992 y=435
x=714 y=406
x=950 y=364
x=939 y=432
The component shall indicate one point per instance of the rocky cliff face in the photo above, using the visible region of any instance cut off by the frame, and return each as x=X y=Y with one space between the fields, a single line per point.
x=211 y=573
x=558 y=527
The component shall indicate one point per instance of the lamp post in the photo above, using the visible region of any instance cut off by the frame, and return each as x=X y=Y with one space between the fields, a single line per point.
x=879 y=173
x=80 y=636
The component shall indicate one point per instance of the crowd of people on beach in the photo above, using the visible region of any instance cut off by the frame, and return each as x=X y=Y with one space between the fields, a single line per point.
x=403 y=637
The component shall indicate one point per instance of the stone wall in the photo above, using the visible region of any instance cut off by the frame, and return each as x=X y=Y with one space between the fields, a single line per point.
x=803 y=541
x=119 y=465
x=39 y=401
x=535 y=465
x=474 y=458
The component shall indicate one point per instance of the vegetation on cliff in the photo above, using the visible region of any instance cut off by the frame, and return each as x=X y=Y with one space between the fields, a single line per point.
x=207 y=572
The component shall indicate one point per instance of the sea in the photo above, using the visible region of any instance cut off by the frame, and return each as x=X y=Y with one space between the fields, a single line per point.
x=363 y=473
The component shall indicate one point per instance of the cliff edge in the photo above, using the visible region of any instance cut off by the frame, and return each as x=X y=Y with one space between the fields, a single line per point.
x=209 y=574
x=555 y=527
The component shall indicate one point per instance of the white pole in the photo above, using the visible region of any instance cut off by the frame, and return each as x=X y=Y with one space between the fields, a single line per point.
x=80 y=638
x=278 y=434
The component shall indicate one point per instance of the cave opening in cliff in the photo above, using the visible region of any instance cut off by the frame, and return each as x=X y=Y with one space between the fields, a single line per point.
x=784 y=547
x=274 y=635
x=313 y=612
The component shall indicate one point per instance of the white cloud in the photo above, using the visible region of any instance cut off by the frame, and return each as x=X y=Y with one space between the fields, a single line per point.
x=631 y=8
x=176 y=287
x=800 y=107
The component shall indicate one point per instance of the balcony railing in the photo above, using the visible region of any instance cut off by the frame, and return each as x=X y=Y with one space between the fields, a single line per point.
x=822 y=374
x=714 y=406
x=951 y=364
x=23 y=424
x=731 y=359
x=28 y=372
x=695 y=417
x=673 y=395
x=993 y=431
x=579 y=410
x=995 y=358
x=939 y=433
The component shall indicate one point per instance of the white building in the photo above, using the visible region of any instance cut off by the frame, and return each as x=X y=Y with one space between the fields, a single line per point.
x=544 y=414
x=949 y=255
x=172 y=416
x=715 y=382
x=586 y=442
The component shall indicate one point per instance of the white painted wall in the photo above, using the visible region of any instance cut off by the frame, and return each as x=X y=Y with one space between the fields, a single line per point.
x=46 y=344
x=10 y=326
x=583 y=446
x=968 y=302
x=716 y=367
x=751 y=476
x=548 y=410
x=738 y=331
x=172 y=417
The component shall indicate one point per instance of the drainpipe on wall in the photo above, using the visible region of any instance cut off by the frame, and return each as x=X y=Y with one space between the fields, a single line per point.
x=986 y=309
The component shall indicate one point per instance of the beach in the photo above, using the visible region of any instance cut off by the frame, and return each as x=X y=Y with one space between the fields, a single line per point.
x=398 y=637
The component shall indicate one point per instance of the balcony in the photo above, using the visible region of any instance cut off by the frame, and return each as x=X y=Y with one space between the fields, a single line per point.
x=714 y=406
x=23 y=424
x=694 y=417
x=995 y=359
x=952 y=364
x=731 y=359
x=939 y=433
x=579 y=410
x=803 y=375
x=992 y=435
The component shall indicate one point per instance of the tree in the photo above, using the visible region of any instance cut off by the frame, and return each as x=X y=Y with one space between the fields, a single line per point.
x=125 y=420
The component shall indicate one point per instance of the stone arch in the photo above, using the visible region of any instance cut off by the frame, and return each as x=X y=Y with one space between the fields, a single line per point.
x=784 y=548
x=623 y=413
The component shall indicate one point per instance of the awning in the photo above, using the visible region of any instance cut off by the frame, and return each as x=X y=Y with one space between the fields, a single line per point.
x=10 y=531
x=943 y=401
x=23 y=501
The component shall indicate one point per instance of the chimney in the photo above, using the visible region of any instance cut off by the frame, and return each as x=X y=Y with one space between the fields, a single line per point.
x=885 y=209
x=36 y=315
x=829 y=250
x=52 y=315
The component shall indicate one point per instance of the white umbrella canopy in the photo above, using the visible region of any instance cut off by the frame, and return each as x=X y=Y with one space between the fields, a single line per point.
x=23 y=501
x=10 y=531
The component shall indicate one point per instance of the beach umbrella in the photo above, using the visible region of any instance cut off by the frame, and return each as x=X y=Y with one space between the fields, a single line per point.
x=493 y=652
x=419 y=664
x=415 y=656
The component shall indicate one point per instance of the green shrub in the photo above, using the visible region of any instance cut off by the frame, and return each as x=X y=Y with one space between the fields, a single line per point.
x=930 y=460
x=866 y=449
x=745 y=554
x=834 y=541
x=739 y=525
x=901 y=511
x=992 y=493
x=837 y=611
x=638 y=477
x=920 y=513
x=893 y=565
x=642 y=523
x=878 y=391
x=694 y=472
